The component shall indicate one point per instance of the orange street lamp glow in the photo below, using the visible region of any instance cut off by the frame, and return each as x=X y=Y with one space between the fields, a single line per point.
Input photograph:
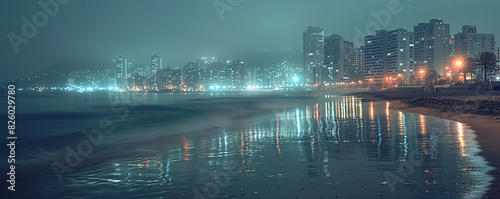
x=459 y=63
x=422 y=71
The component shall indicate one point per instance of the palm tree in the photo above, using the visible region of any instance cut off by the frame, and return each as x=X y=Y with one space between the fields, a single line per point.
x=469 y=65
x=486 y=62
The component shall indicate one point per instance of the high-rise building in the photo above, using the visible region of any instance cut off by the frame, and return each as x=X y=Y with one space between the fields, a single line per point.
x=469 y=43
x=192 y=76
x=376 y=57
x=389 y=56
x=169 y=79
x=357 y=64
x=214 y=72
x=498 y=53
x=347 y=53
x=432 y=41
x=175 y=78
x=313 y=54
x=337 y=59
x=400 y=55
x=236 y=74
x=156 y=64
x=121 y=71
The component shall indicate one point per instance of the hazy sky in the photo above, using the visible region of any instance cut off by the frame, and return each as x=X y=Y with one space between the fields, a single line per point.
x=99 y=30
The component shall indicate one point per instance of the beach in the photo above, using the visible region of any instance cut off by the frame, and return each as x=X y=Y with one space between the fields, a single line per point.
x=478 y=109
x=302 y=145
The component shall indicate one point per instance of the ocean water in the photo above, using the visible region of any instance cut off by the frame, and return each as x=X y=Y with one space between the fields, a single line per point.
x=118 y=145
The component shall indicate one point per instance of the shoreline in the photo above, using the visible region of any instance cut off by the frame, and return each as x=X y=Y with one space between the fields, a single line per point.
x=485 y=127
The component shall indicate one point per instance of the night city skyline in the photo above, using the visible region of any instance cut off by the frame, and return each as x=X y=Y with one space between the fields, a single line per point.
x=250 y=99
x=234 y=37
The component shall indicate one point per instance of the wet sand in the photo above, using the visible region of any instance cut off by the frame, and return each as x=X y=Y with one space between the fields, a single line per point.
x=283 y=146
x=482 y=117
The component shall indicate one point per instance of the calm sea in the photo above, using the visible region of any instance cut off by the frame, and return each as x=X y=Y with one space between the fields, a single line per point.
x=118 y=145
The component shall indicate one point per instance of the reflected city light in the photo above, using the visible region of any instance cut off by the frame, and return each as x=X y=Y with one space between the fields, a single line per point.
x=310 y=141
x=460 y=129
x=185 y=143
x=423 y=125
x=388 y=118
x=372 y=112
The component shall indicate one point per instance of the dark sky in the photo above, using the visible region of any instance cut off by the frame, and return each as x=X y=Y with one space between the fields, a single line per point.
x=96 y=31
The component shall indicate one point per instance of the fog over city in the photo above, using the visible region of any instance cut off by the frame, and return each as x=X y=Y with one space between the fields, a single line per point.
x=90 y=34
x=250 y=98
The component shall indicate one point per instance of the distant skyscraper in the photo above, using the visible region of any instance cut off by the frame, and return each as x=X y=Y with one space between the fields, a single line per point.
x=156 y=64
x=192 y=75
x=214 y=72
x=236 y=74
x=337 y=59
x=121 y=73
x=389 y=56
x=312 y=54
x=175 y=78
x=469 y=43
x=432 y=40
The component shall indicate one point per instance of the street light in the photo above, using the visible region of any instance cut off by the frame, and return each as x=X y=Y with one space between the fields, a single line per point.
x=400 y=79
x=458 y=64
x=422 y=72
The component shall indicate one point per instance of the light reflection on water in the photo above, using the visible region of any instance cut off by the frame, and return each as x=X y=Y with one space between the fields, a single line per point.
x=339 y=147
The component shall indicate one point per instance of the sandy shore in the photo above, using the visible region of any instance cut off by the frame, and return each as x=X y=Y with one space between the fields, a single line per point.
x=480 y=111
